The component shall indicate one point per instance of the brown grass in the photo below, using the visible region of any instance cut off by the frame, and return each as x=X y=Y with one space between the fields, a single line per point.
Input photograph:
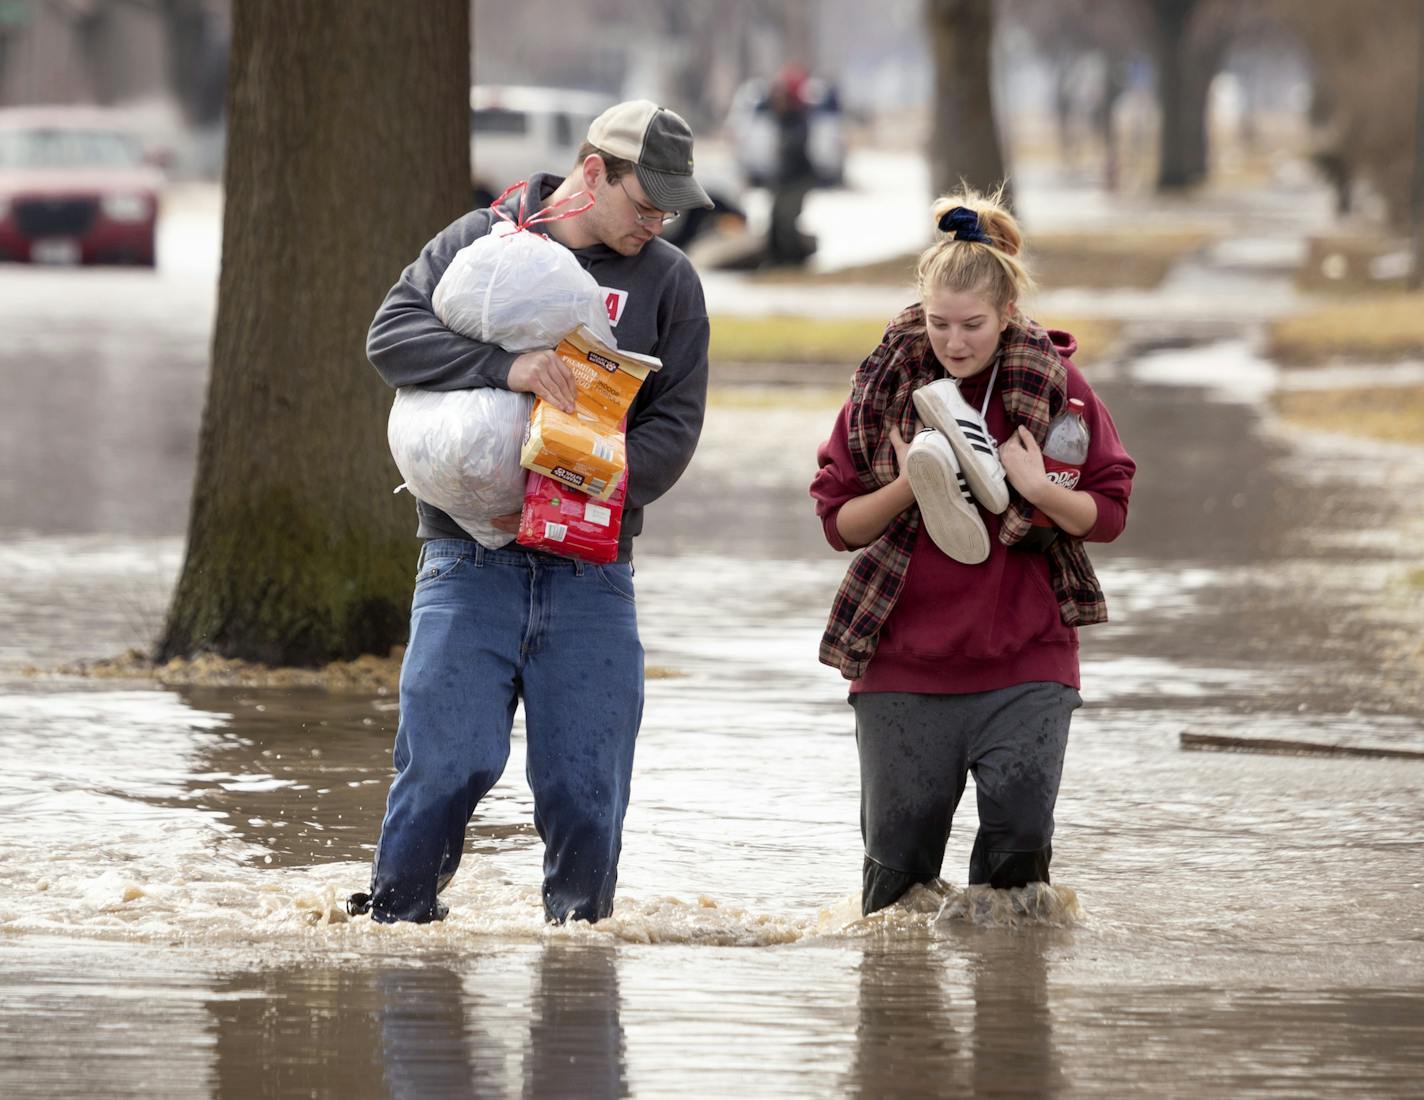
x=1111 y=259
x=1341 y=263
x=1395 y=414
x=847 y=340
x=1097 y=338
x=1373 y=329
x=788 y=339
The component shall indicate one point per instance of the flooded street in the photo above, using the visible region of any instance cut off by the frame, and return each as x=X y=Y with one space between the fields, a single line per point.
x=1250 y=925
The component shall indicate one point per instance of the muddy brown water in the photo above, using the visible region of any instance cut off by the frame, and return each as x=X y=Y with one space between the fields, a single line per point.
x=174 y=858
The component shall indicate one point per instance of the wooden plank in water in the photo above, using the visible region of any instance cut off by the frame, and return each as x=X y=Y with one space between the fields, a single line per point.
x=1218 y=742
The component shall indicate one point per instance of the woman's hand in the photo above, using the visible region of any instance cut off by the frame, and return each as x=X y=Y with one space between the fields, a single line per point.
x=902 y=448
x=1073 y=511
x=1023 y=463
x=863 y=519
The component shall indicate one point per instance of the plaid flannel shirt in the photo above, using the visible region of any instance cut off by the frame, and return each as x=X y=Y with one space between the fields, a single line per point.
x=1034 y=388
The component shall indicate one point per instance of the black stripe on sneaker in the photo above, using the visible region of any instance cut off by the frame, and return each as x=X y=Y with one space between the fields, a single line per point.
x=982 y=447
x=964 y=488
x=975 y=435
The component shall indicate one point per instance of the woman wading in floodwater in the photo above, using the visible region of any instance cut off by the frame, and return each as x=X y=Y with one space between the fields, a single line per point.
x=956 y=624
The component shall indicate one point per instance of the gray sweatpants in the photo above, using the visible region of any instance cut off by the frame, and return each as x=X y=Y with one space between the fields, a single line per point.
x=916 y=752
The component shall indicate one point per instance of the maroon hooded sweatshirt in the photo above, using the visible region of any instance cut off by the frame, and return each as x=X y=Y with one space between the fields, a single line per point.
x=960 y=628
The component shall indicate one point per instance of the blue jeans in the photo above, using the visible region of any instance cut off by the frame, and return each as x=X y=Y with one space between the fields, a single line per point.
x=488 y=628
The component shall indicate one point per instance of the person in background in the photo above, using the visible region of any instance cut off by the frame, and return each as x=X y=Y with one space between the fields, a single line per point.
x=793 y=174
x=960 y=645
x=493 y=627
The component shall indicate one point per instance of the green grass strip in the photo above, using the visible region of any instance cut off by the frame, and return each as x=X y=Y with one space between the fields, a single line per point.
x=786 y=339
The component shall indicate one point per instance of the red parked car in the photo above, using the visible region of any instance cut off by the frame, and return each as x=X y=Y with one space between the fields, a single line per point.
x=75 y=188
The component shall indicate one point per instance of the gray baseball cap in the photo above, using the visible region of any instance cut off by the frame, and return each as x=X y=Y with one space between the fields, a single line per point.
x=659 y=143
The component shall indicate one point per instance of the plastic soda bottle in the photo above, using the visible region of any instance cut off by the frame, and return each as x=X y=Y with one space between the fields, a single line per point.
x=1065 y=449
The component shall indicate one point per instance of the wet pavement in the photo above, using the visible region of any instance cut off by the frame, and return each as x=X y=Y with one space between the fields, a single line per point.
x=174 y=859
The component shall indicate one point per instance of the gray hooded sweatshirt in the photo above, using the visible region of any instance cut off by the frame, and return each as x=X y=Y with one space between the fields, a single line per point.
x=656 y=307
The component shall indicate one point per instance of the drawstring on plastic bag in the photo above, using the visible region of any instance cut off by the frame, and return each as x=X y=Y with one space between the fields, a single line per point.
x=539 y=216
x=521 y=223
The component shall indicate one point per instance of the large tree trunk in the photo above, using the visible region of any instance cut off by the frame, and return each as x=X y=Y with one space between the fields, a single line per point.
x=1415 y=280
x=348 y=148
x=1185 y=164
x=1203 y=62
x=1187 y=61
x=1171 y=17
x=964 y=143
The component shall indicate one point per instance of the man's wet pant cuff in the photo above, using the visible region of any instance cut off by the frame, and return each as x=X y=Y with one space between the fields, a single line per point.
x=359 y=904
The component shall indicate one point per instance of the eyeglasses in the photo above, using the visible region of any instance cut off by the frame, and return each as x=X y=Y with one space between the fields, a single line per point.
x=654 y=217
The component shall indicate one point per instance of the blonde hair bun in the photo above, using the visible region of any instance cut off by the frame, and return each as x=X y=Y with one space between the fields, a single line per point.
x=982 y=256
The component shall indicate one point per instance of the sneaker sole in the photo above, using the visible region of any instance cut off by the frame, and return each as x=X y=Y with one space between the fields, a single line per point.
x=952 y=522
x=971 y=446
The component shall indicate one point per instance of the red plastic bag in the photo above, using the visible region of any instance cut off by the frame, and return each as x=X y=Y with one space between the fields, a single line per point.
x=560 y=520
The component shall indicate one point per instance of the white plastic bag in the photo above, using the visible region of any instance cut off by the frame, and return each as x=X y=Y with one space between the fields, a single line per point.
x=519 y=290
x=459 y=450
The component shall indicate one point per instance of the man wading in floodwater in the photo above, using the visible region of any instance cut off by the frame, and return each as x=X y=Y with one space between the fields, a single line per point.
x=491 y=627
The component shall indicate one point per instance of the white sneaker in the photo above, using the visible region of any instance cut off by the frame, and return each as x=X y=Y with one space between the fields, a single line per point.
x=941 y=406
x=949 y=512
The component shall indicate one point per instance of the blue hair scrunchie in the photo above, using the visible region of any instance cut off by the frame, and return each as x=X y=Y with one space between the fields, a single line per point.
x=964 y=224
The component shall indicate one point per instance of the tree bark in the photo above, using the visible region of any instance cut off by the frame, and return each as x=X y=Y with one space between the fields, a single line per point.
x=1188 y=163
x=348 y=148
x=964 y=142
x=1205 y=59
x=1171 y=18
x=1188 y=58
x=1415 y=279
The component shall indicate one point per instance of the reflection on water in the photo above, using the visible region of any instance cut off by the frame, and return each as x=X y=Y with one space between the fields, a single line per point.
x=902 y=1015
x=437 y=1030
x=576 y=1042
